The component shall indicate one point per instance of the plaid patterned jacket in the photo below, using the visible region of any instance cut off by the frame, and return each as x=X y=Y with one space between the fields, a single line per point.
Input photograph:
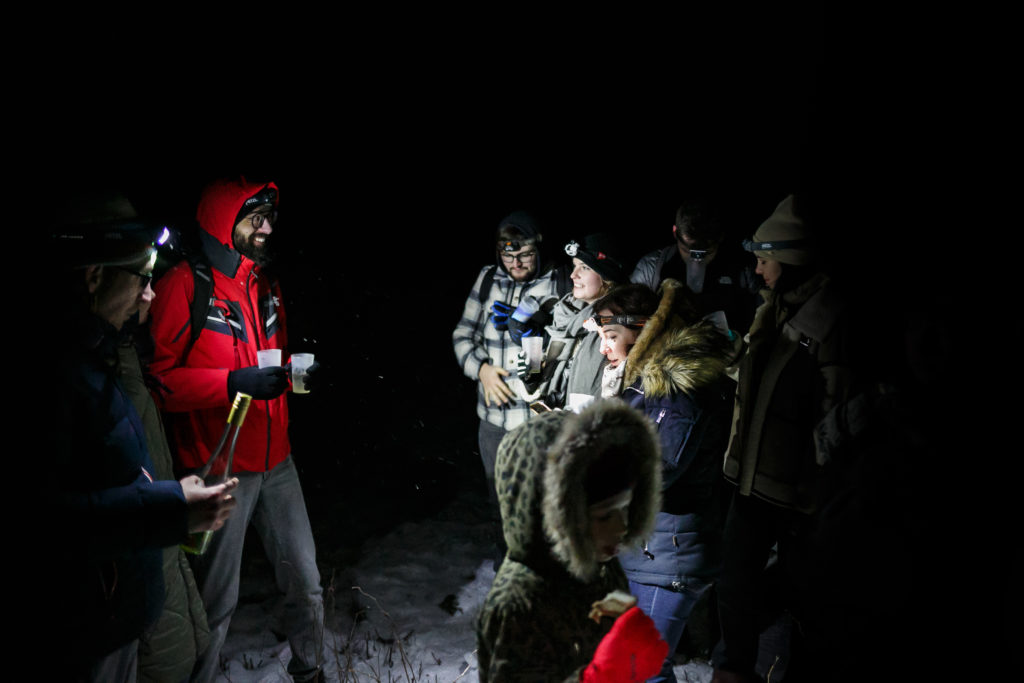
x=477 y=342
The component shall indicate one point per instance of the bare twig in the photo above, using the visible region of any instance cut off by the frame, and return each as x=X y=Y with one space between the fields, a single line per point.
x=464 y=671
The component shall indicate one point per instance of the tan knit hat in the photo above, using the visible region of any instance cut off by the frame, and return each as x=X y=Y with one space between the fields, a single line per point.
x=783 y=237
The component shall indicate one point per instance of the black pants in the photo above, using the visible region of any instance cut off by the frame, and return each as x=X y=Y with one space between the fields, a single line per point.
x=751 y=594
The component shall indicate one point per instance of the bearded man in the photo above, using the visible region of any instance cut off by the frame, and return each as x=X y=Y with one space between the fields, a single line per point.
x=203 y=373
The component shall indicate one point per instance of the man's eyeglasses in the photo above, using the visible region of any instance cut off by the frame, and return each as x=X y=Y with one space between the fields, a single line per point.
x=144 y=278
x=257 y=219
x=525 y=257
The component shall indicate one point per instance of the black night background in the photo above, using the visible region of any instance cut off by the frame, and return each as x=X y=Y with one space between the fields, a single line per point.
x=393 y=175
x=391 y=190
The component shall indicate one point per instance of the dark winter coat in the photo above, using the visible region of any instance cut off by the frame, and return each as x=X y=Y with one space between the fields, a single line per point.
x=795 y=370
x=169 y=648
x=729 y=284
x=534 y=624
x=114 y=517
x=679 y=383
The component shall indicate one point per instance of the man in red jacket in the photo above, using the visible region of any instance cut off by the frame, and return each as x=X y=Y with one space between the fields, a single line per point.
x=245 y=315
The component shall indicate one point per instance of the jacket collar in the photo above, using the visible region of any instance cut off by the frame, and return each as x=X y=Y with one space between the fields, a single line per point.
x=220 y=256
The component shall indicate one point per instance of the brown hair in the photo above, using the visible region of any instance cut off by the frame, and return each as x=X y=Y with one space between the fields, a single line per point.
x=629 y=299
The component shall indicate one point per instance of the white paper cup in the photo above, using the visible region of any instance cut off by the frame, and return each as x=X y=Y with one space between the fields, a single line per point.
x=300 y=361
x=534 y=348
x=269 y=358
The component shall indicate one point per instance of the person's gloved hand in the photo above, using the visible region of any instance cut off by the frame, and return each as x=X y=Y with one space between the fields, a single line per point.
x=500 y=312
x=520 y=324
x=260 y=383
x=631 y=652
x=517 y=330
x=522 y=367
x=311 y=377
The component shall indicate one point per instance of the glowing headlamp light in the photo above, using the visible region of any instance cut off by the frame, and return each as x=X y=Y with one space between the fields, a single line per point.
x=698 y=255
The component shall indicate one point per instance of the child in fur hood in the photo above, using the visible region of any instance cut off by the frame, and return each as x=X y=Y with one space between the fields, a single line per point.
x=572 y=490
x=669 y=364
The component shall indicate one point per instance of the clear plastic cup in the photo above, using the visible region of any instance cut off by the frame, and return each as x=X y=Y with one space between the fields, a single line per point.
x=534 y=348
x=300 y=361
x=269 y=358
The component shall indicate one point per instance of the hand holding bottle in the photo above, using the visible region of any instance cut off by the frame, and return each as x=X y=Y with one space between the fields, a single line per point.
x=208 y=506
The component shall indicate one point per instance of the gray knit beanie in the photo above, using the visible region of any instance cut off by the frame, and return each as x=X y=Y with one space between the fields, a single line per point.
x=782 y=237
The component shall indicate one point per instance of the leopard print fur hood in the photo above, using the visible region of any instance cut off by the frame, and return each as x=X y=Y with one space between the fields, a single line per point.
x=534 y=624
x=540 y=474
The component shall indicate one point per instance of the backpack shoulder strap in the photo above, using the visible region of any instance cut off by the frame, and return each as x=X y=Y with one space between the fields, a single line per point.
x=202 y=281
x=486 y=284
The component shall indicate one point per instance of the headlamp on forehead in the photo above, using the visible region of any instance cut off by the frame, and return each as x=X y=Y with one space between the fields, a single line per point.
x=751 y=245
x=510 y=245
x=574 y=249
x=267 y=195
x=635 y=322
x=694 y=253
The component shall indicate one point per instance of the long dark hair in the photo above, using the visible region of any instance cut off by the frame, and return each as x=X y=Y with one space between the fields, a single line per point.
x=631 y=299
x=637 y=299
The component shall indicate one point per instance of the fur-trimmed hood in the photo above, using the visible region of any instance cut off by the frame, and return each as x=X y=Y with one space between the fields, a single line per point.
x=540 y=473
x=671 y=356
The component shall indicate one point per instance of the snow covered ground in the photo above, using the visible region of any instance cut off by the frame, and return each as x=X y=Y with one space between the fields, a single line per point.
x=403 y=613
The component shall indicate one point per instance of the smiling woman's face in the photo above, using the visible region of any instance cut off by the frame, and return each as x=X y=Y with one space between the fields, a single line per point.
x=586 y=283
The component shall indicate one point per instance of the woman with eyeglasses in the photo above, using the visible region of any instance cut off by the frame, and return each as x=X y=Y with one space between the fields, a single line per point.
x=571 y=372
x=668 y=363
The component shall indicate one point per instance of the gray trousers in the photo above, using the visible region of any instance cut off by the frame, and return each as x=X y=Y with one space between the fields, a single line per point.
x=272 y=501
x=488 y=438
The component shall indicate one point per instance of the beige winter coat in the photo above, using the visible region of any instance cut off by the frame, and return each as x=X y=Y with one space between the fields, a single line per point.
x=795 y=369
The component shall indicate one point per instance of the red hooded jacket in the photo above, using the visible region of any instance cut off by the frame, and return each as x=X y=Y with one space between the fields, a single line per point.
x=246 y=316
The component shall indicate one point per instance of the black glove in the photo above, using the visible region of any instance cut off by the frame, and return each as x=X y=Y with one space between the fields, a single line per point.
x=310 y=380
x=517 y=330
x=261 y=383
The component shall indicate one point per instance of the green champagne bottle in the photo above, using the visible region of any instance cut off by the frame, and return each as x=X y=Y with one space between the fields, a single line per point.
x=217 y=469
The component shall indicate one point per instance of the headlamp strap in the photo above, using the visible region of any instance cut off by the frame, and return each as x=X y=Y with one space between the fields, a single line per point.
x=624 y=319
